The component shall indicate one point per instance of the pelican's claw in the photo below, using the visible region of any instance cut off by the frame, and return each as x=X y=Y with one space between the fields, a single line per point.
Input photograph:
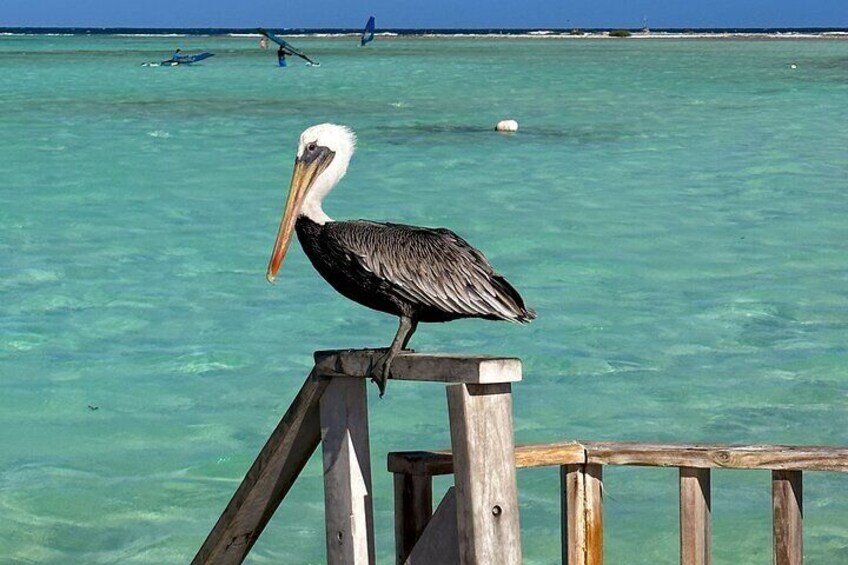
x=380 y=371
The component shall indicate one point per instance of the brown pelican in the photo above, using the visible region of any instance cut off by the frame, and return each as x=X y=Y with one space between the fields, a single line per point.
x=418 y=274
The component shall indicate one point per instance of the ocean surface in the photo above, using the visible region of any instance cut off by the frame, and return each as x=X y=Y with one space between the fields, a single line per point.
x=675 y=211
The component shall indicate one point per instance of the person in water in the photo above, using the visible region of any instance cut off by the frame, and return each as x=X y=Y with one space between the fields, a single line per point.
x=281 y=56
x=178 y=54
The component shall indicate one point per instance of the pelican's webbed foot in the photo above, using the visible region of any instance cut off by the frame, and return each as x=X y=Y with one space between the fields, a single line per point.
x=381 y=370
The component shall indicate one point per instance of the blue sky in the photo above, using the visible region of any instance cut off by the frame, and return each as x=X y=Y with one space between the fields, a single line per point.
x=425 y=14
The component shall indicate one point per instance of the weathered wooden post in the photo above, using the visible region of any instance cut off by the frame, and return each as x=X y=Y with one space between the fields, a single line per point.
x=348 y=508
x=695 y=529
x=484 y=469
x=582 y=514
x=788 y=510
x=413 y=510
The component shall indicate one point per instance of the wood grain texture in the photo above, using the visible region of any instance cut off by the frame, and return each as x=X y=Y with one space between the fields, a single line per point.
x=409 y=366
x=441 y=462
x=348 y=508
x=769 y=457
x=583 y=517
x=269 y=479
x=695 y=524
x=788 y=509
x=439 y=544
x=484 y=470
x=413 y=510
x=774 y=457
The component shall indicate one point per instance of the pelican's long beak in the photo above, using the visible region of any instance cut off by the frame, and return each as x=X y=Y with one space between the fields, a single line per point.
x=306 y=170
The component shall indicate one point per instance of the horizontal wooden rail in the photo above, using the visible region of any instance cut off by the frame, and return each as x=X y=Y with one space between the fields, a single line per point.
x=768 y=457
x=411 y=366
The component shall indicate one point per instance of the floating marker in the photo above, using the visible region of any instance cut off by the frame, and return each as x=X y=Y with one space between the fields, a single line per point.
x=507 y=125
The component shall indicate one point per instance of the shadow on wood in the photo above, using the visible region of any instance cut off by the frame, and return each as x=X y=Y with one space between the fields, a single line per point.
x=439 y=543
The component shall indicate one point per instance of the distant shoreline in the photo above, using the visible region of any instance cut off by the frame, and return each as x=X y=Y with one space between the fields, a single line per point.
x=552 y=33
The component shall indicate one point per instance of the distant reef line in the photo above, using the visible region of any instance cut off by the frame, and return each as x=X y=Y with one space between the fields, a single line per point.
x=575 y=32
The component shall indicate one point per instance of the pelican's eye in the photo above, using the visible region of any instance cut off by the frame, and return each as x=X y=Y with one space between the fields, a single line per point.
x=311 y=147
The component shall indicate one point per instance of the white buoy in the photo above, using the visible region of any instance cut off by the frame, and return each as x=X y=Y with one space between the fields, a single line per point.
x=793 y=66
x=507 y=125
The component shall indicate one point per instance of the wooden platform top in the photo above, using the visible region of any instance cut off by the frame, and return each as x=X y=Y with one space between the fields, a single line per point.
x=772 y=457
x=411 y=366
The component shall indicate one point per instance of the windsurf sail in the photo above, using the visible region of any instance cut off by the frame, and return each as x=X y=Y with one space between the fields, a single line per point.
x=368 y=32
x=287 y=47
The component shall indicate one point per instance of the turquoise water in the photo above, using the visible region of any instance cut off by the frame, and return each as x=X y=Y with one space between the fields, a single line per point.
x=675 y=211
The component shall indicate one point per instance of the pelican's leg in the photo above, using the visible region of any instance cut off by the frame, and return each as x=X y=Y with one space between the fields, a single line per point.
x=382 y=367
x=409 y=334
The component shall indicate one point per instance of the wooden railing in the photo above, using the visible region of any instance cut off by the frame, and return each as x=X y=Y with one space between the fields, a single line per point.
x=477 y=521
x=581 y=471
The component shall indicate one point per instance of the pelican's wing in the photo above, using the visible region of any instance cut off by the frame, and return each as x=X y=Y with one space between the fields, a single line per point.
x=432 y=267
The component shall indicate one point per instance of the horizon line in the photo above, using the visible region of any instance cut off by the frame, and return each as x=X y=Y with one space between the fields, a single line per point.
x=429 y=28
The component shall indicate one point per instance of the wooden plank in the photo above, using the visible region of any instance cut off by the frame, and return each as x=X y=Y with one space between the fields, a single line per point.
x=413 y=510
x=774 y=457
x=407 y=366
x=441 y=462
x=788 y=508
x=583 y=516
x=486 y=493
x=268 y=481
x=695 y=547
x=777 y=457
x=439 y=544
x=349 y=514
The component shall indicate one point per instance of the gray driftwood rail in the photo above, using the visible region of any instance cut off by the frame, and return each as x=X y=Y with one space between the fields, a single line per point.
x=477 y=521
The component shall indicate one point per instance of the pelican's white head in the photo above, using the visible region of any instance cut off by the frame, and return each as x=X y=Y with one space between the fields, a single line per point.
x=330 y=141
x=323 y=154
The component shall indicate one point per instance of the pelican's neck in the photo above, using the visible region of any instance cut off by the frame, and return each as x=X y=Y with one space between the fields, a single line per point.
x=312 y=209
x=312 y=203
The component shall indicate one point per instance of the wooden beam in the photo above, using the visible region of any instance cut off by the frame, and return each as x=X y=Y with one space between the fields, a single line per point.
x=484 y=470
x=439 y=544
x=349 y=514
x=695 y=548
x=778 y=457
x=441 y=462
x=772 y=457
x=583 y=514
x=788 y=508
x=407 y=366
x=413 y=510
x=268 y=480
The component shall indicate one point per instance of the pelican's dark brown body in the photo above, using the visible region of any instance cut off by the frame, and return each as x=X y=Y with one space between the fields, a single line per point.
x=424 y=274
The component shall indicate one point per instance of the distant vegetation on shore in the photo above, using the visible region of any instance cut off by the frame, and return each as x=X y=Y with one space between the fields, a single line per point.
x=620 y=33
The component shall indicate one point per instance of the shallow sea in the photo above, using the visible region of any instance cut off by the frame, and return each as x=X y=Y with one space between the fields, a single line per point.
x=675 y=211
